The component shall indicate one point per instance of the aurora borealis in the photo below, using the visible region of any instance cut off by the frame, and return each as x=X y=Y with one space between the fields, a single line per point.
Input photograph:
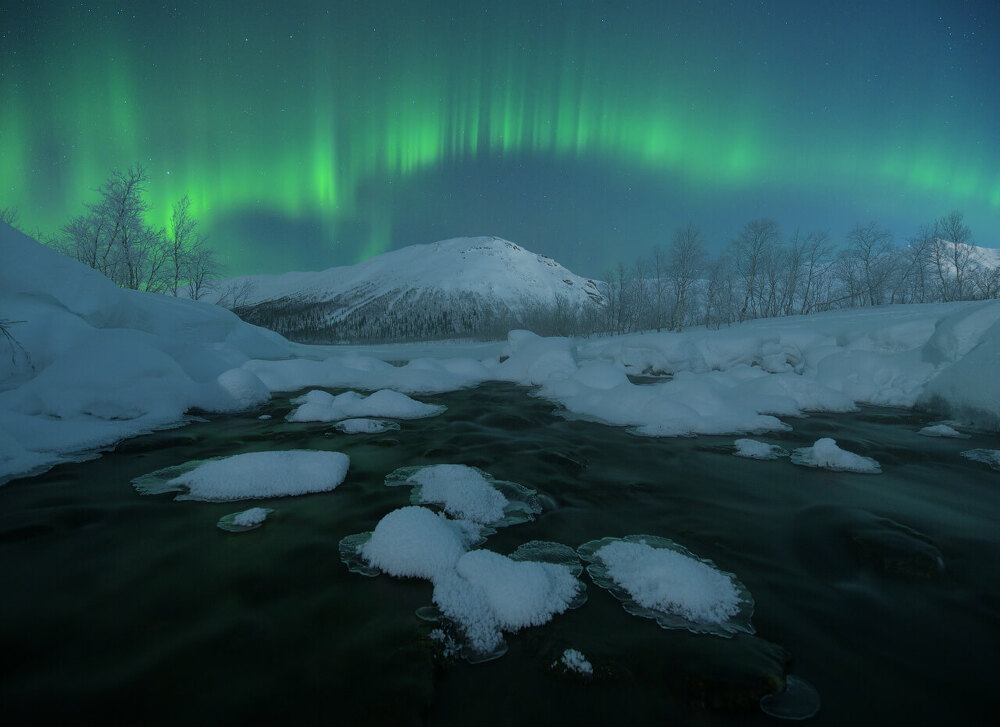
x=314 y=134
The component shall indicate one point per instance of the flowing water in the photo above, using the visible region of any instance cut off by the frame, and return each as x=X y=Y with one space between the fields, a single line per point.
x=137 y=608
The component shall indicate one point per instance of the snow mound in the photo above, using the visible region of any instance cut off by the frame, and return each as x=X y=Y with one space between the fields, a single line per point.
x=659 y=579
x=479 y=592
x=986 y=456
x=412 y=542
x=241 y=522
x=825 y=454
x=249 y=476
x=468 y=493
x=942 y=430
x=753 y=449
x=365 y=426
x=320 y=406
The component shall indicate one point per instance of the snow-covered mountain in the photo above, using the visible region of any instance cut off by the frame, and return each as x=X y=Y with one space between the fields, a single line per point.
x=460 y=287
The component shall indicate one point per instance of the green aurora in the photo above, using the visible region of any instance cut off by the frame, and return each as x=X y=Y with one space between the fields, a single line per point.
x=296 y=111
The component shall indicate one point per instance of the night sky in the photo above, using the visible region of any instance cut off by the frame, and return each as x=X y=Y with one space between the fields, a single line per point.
x=316 y=134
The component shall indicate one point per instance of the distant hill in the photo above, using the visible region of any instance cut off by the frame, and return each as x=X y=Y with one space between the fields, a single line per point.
x=469 y=286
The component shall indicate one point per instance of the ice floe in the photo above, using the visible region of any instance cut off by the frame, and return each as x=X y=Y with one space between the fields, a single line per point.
x=241 y=522
x=825 y=454
x=320 y=406
x=942 y=430
x=753 y=449
x=365 y=426
x=797 y=701
x=468 y=493
x=986 y=456
x=656 y=578
x=253 y=475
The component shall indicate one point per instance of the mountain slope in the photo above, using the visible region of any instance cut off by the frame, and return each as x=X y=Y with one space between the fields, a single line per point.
x=461 y=287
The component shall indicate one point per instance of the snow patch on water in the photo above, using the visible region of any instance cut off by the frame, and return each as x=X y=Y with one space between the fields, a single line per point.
x=986 y=456
x=753 y=449
x=942 y=430
x=825 y=454
x=241 y=522
x=320 y=406
x=468 y=493
x=657 y=578
x=365 y=426
x=249 y=476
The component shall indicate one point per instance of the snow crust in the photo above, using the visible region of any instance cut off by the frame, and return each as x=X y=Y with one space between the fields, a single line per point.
x=826 y=454
x=252 y=475
x=753 y=449
x=320 y=406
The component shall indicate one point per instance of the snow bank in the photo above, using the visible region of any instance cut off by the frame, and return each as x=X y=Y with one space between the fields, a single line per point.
x=827 y=455
x=249 y=476
x=357 y=371
x=468 y=493
x=753 y=449
x=319 y=406
x=100 y=364
x=657 y=578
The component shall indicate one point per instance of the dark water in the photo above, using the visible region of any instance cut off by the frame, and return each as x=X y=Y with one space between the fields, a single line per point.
x=124 y=607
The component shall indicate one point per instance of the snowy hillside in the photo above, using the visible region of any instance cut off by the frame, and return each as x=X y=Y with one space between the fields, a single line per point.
x=451 y=288
x=90 y=364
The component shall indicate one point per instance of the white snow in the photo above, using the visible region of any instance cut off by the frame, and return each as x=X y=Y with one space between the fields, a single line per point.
x=575 y=661
x=253 y=475
x=320 y=406
x=665 y=580
x=826 y=454
x=365 y=426
x=942 y=430
x=462 y=491
x=753 y=449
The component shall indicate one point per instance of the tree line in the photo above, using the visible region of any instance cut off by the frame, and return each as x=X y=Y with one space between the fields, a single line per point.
x=113 y=237
x=763 y=274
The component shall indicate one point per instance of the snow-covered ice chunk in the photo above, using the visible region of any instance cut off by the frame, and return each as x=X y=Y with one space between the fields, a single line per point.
x=320 y=406
x=657 y=578
x=573 y=660
x=264 y=417
x=480 y=593
x=244 y=389
x=411 y=542
x=825 y=454
x=986 y=456
x=240 y=522
x=249 y=476
x=753 y=449
x=365 y=426
x=468 y=493
x=942 y=430
x=489 y=593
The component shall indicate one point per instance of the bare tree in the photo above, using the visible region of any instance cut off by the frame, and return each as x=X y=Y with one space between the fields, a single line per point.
x=9 y=215
x=686 y=258
x=755 y=241
x=658 y=267
x=237 y=294
x=818 y=255
x=952 y=254
x=183 y=238
x=869 y=248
